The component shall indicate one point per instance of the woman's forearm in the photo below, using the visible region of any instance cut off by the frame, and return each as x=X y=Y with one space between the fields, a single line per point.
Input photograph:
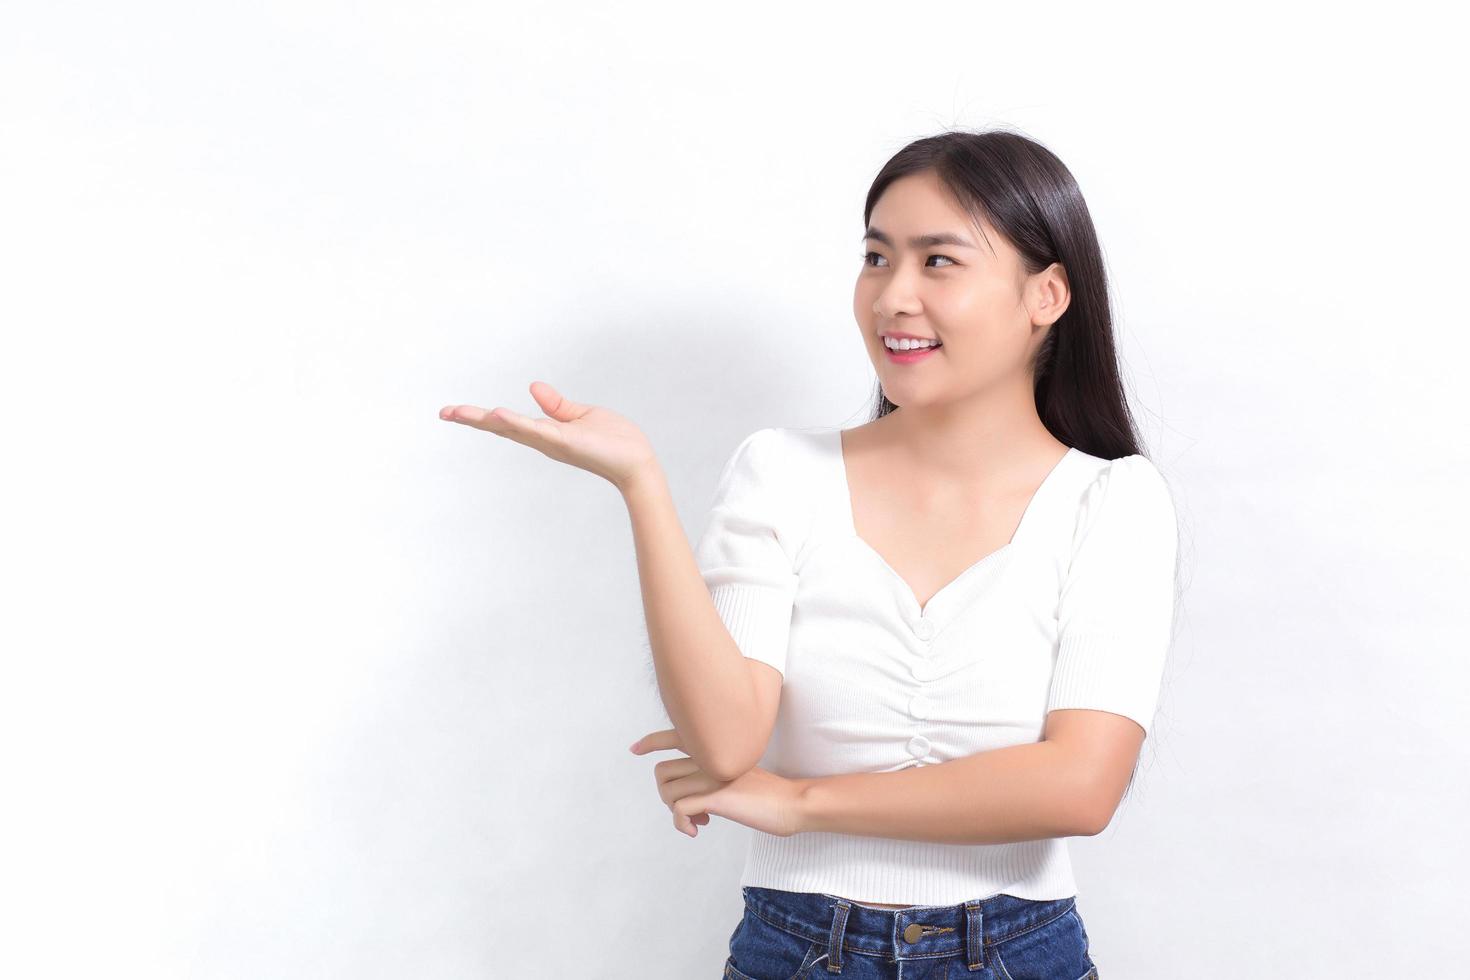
x=1017 y=793
x=703 y=679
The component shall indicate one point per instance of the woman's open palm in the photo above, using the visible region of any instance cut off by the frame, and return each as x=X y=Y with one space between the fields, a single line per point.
x=589 y=437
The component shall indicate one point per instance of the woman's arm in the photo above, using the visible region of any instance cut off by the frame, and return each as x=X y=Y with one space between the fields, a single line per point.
x=702 y=675
x=1025 y=792
x=703 y=678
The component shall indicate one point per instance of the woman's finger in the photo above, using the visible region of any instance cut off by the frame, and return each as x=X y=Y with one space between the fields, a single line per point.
x=668 y=771
x=666 y=739
x=677 y=789
x=589 y=437
x=676 y=778
x=491 y=420
x=556 y=406
x=539 y=434
x=688 y=816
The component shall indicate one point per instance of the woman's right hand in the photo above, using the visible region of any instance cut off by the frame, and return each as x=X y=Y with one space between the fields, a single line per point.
x=588 y=437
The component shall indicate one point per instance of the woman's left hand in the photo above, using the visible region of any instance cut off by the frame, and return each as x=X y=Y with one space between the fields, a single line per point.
x=759 y=799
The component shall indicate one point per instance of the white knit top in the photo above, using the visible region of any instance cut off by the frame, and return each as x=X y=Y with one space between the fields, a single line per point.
x=1074 y=612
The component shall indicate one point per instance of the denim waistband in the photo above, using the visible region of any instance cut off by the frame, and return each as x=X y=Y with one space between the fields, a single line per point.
x=920 y=932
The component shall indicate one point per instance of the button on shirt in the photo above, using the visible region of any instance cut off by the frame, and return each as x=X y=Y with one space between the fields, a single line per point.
x=1074 y=612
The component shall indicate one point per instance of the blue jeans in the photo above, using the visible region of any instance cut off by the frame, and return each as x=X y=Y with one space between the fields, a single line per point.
x=804 y=935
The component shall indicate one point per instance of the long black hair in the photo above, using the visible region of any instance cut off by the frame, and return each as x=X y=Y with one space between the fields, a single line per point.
x=1030 y=197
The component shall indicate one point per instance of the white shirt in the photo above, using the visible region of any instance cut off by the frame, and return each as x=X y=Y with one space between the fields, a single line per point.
x=1076 y=611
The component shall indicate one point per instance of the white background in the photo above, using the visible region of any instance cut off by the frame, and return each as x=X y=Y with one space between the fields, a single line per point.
x=300 y=681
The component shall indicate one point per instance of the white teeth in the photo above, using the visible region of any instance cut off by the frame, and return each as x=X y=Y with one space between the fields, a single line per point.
x=893 y=344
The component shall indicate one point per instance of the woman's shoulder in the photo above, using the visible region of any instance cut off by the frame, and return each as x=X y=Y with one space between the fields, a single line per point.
x=794 y=466
x=1087 y=485
x=784 y=461
x=1126 y=492
x=1129 y=476
x=1089 y=470
x=790 y=449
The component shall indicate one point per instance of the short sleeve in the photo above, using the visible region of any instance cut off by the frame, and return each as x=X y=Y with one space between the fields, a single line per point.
x=743 y=554
x=1116 y=609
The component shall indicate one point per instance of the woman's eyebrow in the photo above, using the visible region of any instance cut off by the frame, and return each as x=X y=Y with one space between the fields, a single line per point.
x=919 y=241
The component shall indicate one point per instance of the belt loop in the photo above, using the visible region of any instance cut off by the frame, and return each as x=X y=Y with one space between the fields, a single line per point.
x=834 y=938
x=975 y=935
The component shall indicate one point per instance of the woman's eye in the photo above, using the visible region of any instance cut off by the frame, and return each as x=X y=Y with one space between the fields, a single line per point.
x=869 y=255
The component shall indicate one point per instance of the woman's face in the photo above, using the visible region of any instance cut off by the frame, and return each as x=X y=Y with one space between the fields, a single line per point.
x=971 y=293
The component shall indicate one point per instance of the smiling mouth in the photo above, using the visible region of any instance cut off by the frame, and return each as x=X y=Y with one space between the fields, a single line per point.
x=903 y=338
x=911 y=355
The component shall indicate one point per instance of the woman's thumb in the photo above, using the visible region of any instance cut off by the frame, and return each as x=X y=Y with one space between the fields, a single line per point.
x=554 y=405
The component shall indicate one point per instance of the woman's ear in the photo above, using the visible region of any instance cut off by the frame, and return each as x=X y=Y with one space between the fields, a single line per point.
x=1051 y=294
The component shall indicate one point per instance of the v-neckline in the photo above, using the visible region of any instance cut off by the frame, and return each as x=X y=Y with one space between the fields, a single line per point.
x=851 y=527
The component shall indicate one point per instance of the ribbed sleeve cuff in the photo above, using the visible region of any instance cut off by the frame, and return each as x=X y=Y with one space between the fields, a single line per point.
x=758 y=616
x=1106 y=672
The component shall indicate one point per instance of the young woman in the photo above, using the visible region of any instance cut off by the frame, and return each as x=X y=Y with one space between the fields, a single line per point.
x=942 y=632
